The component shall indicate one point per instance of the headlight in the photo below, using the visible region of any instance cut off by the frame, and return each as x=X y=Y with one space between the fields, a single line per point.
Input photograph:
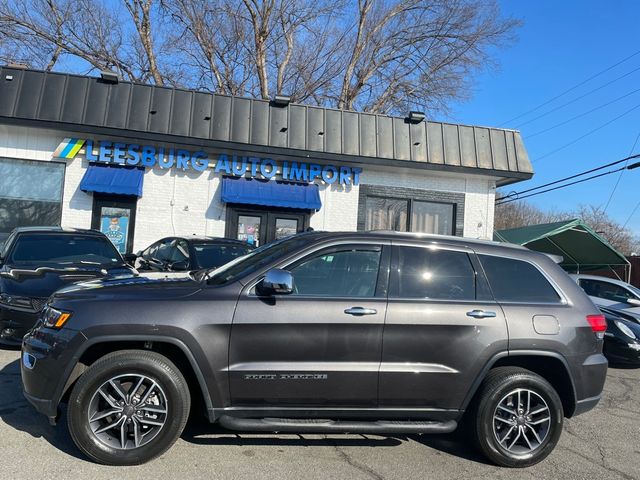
x=53 y=318
x=626 y=330
x=15 y=301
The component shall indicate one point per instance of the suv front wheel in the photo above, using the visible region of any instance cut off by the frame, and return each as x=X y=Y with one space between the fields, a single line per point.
x=518 y=417
x=128 y=407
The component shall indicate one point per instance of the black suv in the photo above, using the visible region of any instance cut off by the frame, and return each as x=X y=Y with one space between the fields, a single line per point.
x=37 y=261
x=326 y=332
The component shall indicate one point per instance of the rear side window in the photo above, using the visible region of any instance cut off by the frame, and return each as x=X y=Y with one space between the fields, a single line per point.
x=517 y=281
x=433 y=275
x=606 y=290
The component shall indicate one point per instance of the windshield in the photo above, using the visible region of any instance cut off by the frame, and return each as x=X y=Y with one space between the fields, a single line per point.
x=63 y=249
x=213 y=255
x=635 y=290
x=256 y=259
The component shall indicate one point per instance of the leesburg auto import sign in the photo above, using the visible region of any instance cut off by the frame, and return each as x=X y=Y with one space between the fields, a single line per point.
x=132 y=154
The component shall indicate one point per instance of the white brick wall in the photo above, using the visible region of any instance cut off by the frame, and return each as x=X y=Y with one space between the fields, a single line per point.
x=189 y=202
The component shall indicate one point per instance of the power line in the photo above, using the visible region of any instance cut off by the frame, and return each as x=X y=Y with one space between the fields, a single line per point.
x=576 y=99
x=582 y=114
x=587 y=134
x=631 y=214
x=615 y=187
x=572 y=88
x=562 y=186
x=571 y=177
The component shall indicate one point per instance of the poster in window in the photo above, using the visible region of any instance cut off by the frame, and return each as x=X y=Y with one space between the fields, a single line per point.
x=114 y=223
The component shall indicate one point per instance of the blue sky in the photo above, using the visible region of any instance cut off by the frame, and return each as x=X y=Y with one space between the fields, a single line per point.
x=560 y=44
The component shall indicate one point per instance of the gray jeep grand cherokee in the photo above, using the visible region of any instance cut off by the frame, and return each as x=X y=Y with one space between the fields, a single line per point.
x=325 y=332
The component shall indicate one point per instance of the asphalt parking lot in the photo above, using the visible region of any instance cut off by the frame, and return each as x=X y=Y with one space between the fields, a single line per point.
x=604 y=443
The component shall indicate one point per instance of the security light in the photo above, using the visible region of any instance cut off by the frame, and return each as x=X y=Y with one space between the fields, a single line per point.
x=281 y=100
x=416 y=117
x=109 y=77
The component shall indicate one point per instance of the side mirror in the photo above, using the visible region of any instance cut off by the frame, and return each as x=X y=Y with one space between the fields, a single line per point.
x=276 y=282
x=631 y=301
x=179 y=266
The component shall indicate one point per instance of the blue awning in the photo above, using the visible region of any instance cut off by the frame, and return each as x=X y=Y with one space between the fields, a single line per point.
x=117 y=180
x=271 y=193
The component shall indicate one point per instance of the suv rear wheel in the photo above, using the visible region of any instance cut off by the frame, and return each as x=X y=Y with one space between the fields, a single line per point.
x=518 y=417
x=128 y=407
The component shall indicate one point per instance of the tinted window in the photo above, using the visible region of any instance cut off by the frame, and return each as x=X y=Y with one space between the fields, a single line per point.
x=434 y=274
x=256 y=259
x=63 y=249
x=338 y=273
x=211 y=255
x=606 y=290
x=517 y=281
x=164 y=251
x=179 y=251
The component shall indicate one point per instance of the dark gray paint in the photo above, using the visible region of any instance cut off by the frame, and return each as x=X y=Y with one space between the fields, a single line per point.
x=74 y=102
x=431 y=355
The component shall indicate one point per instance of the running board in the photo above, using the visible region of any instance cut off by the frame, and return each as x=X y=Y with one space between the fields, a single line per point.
x=300 y=425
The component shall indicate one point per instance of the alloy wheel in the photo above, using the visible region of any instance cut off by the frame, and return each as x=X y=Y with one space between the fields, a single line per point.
x=521 y=421
x=127 y=411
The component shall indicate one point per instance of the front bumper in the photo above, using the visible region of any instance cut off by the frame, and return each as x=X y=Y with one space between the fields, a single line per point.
x=46 y=365
x=14 y=324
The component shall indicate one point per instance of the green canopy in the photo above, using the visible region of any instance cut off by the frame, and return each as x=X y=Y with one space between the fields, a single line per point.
x=581 y=248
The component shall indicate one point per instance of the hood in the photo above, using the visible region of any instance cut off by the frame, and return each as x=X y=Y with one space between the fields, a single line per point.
x=43 y=281
x=133 y=287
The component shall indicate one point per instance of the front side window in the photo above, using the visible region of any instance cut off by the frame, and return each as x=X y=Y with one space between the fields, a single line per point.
x=606 y=290
x=433 y=275
x=351 y=272
x=517 y=281
x=165 y=251
x=62 y=249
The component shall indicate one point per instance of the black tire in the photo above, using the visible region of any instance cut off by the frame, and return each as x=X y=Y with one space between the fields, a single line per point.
x=497 y=386
x=153 y=366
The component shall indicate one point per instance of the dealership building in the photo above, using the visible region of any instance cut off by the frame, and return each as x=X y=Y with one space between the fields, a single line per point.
x=142 y=162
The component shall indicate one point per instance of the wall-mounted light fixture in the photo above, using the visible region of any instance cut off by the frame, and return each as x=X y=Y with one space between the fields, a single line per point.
x=281 y=100
x=109 y=77
x=416 y=117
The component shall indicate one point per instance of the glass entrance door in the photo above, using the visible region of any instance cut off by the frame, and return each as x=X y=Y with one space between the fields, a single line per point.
x=115 y=217
x=258 y=227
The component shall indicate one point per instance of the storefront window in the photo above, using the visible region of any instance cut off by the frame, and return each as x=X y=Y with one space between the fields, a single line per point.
x=286 y=227
x=249 y=229
x=386 y=214
x=114 y=223
x=429 y=217
x=393 y=214
x=30 y=193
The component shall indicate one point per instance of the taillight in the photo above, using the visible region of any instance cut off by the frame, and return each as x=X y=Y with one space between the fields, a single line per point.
x=598 y=324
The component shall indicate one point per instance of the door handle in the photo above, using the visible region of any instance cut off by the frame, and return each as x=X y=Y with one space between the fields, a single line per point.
x=358 y=311
x=481 y=314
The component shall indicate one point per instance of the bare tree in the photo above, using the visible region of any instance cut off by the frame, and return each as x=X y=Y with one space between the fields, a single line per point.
x=382 y=56
x=41 y=32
